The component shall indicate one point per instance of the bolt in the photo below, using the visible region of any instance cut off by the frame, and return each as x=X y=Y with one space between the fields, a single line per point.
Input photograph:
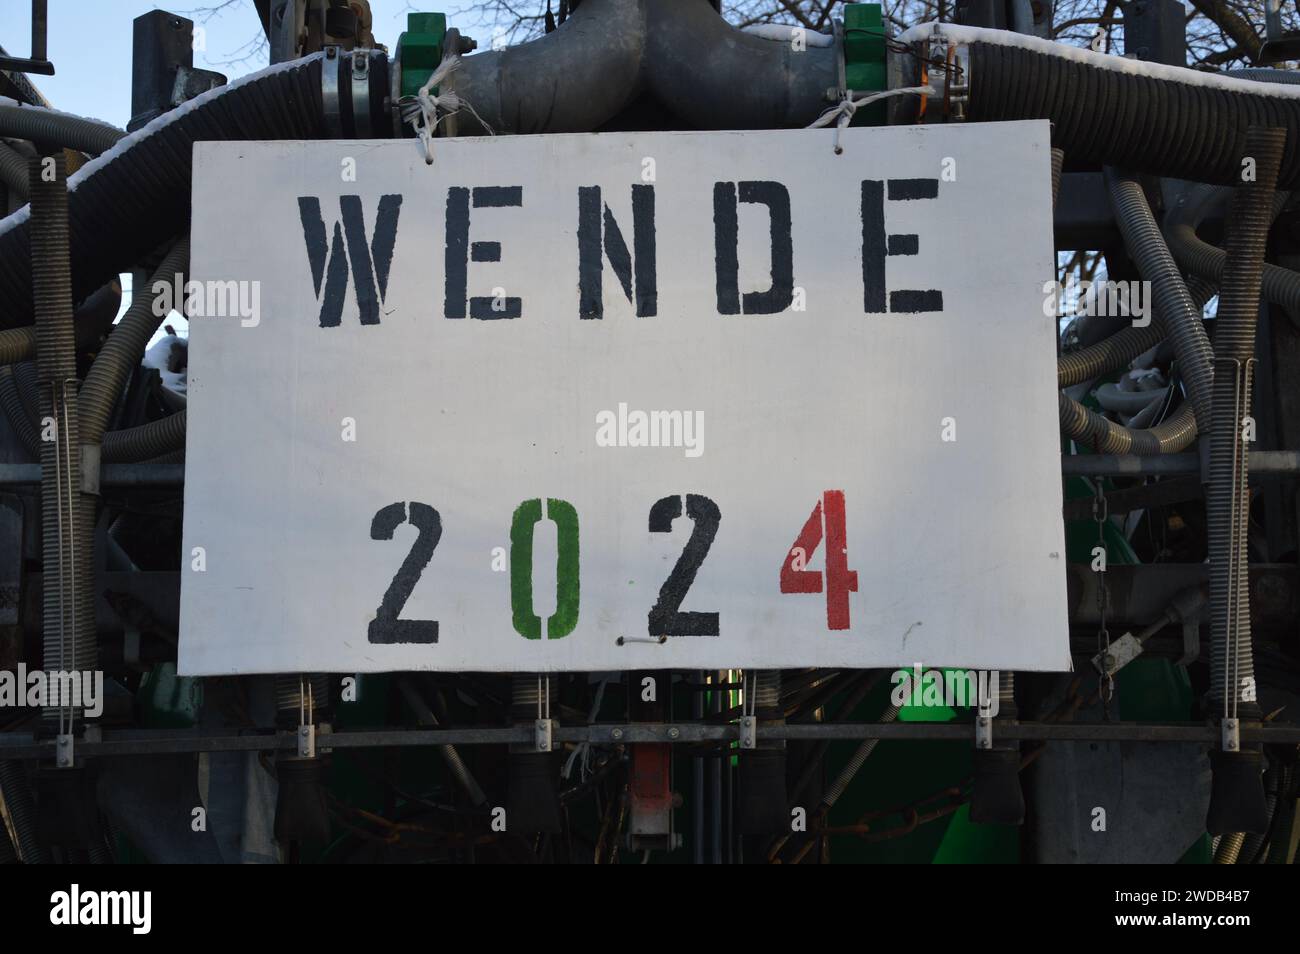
x=616 y=734
x=674 y=732
x=1109 y=661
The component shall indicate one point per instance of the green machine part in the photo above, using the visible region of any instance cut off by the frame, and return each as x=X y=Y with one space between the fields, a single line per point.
x=419 y=49
x=864 y=58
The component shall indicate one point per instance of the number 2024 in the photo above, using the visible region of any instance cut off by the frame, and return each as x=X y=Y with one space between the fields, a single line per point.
x=666 y=618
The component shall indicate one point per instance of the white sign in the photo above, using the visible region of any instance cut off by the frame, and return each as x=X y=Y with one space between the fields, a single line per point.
x=629 y=400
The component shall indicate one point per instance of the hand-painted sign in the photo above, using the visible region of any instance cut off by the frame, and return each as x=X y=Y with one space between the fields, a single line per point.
x=628 y=400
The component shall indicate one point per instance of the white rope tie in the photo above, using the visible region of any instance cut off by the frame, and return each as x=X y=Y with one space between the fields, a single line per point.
x=841 y=114
x=426 y=109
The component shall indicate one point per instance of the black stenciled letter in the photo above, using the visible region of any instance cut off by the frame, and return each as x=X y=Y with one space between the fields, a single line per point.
x=386 y=628
x=877 y=245
x=726 y=237
x=460 y=250
x=370 y=259
x=666 y=617
x=590 y=245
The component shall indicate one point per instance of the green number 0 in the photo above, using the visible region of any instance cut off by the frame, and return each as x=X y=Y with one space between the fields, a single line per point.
x=527 y=515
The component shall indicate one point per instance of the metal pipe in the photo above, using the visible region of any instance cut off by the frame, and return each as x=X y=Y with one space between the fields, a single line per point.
x=50 y=128
x=572 y=80
x=715 y=76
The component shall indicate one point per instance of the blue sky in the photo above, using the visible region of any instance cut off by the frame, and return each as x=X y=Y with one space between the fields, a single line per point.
x=90 y=44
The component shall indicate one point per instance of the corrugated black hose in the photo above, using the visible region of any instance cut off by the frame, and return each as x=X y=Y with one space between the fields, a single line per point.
x=1103 y=116
x=1278 y=285
x=1179 y=314
x=112 y=368
x=53 y=129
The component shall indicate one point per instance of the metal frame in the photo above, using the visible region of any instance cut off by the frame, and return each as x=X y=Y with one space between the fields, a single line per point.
x=123 y=742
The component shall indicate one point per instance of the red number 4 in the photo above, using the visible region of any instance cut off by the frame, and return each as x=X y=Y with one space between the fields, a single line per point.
x=827 y=519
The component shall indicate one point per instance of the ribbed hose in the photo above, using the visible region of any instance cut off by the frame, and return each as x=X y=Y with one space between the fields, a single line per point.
x=1106 y=437
x=67 y=515
x=1255 y=842
x=146 y=441
x=1265 y=75
x=1176 y=313
x=28 y=382
x=1169 y=295
x=17 y=794
x=1102 y=115
x=1228 y=494
x=1278 y=845
x=1109 y=354
x=525 y=694
x=290 y=698
x=1229 y=848
x=1278 y=285
x=50 y=128
x=124 y=348
x=93 y=320
x=112 y=368
x=17 y=344
x=854 y=764
x=1113 y=353
x=767 y=692
x=137 y=196
x=12 y=403
x=1006 y=692
x=13 y=171
x=19 y=389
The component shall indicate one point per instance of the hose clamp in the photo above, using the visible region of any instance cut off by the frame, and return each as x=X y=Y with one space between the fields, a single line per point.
x=361 y=94
x=329 y=88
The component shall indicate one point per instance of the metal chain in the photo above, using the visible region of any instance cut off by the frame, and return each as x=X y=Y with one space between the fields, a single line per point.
x=1105 y=681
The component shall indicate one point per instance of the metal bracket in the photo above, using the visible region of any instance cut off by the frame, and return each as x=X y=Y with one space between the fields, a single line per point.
x=543 y=725
x=1231 y=729
x=1119 y=654
x=38 y=62
x=64 y=750
x=749 y=732
x=983 y=730
x=191 y=82
x=90 y=457
x=306 y=741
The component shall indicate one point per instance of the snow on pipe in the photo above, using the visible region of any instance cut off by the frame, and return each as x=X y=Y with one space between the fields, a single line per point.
x=1130 y=114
